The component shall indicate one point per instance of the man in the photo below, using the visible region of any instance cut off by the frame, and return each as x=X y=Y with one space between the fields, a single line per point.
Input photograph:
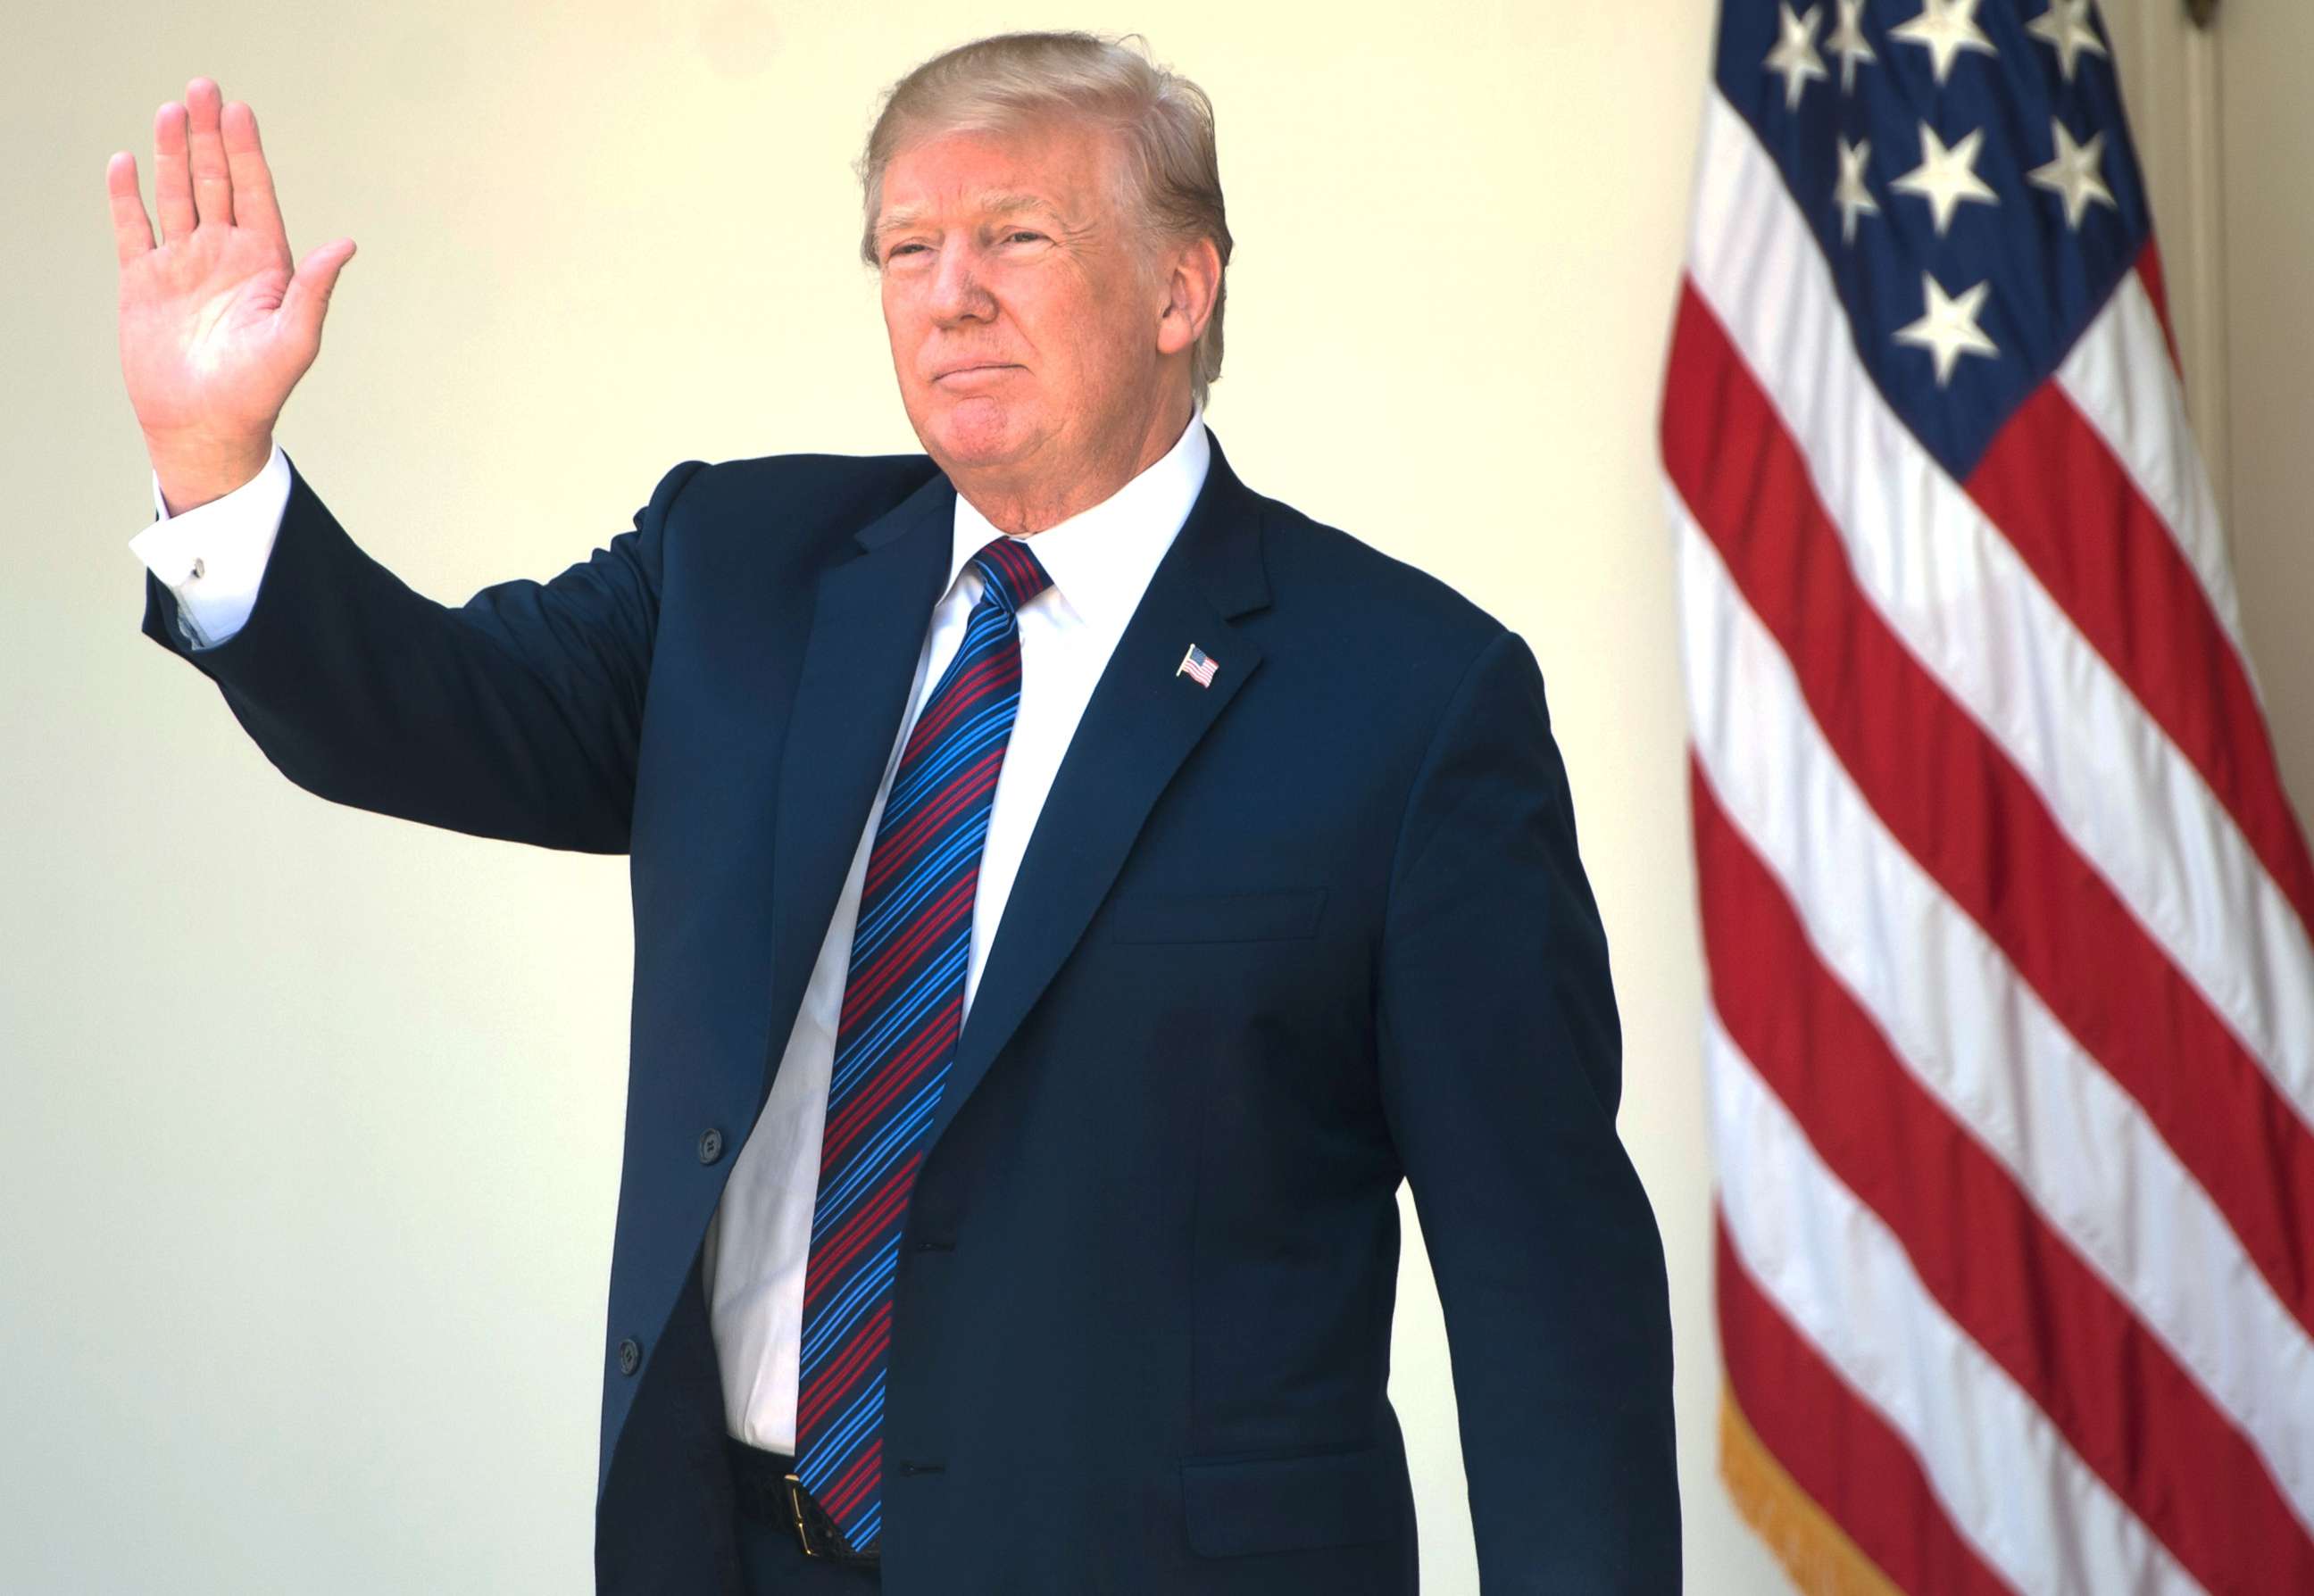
x=1058 y=1260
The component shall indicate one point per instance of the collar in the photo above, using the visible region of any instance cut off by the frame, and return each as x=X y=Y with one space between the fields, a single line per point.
x=1100 y=558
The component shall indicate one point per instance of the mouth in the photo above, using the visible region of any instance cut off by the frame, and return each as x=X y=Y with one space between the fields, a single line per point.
x=981 y=370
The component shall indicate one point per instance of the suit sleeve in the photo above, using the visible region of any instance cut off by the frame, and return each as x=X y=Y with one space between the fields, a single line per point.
x=1501 y=1068
x=514 y=715
x=212 y=558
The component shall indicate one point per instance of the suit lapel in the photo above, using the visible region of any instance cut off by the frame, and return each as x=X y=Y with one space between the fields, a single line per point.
x=869 y=617
x=1140 y=723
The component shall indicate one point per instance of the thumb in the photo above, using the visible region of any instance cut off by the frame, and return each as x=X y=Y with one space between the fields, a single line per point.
x=308 y=298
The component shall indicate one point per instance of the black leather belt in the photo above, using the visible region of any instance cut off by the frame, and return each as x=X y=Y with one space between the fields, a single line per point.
x=766 y=1479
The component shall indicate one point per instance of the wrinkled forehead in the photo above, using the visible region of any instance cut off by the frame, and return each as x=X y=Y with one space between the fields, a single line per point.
x=1058 y=169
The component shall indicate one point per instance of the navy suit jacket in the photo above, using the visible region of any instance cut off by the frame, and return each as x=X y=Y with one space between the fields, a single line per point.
x=1277 y=943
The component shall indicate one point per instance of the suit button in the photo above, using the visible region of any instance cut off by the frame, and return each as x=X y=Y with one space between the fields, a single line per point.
x=631 y=1356
x=711 y=1145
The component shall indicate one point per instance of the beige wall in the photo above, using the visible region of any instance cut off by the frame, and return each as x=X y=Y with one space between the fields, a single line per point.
x=2267 y=134
x=311 y=1145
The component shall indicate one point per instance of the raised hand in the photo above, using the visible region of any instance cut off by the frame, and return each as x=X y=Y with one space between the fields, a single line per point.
x=217 y=323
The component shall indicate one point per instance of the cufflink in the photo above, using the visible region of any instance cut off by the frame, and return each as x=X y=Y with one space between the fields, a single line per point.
x=198 y=569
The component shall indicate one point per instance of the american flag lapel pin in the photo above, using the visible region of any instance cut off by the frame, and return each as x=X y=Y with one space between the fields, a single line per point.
x=1199 y=664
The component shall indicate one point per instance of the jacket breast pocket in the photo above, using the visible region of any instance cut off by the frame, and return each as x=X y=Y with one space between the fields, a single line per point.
x=1212 y=917
x=1238 y=1505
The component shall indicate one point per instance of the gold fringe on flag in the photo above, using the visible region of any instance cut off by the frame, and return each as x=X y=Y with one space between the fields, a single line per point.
x=1818 y=1554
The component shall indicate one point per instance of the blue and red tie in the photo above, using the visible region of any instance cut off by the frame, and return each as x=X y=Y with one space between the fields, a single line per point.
x=903 y=1007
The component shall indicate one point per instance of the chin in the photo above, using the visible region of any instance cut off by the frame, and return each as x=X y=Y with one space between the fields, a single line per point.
x=977 y=430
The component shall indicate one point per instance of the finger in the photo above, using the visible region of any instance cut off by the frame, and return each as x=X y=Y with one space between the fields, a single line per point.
x=308 y=297
x=253 y=202
x=132 y=232
x=172 y=183
x=212 y=180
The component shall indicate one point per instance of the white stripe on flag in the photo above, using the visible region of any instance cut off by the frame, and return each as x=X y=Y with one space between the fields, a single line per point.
x=2010 y=1485
x=1956 y=593
x=1971 y=1032
x=2119 y=377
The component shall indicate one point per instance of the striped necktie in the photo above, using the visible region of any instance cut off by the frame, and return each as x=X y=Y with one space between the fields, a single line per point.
x=903 y=1007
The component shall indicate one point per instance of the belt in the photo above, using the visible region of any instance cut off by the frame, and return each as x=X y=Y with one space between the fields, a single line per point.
x=766 y=1479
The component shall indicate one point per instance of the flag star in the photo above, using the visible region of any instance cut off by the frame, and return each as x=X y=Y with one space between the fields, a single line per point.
x=1847 y=42
x=2073 y=175
x=1852 y=194
x=2066 y=26
x=1794 y=57
x=1946 y=177
x=1949 y=330
x=1944 y=28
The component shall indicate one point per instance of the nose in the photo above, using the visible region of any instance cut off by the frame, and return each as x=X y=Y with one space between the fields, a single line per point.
x=957 y=293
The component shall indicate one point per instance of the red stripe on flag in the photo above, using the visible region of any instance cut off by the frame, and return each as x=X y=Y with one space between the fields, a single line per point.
x=1835 y=1446
x=2055 y=491
x=1954 y=801
x=2157 y=289
x=2123 y=1404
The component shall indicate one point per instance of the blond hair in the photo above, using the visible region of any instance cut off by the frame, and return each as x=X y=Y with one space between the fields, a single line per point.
x=1169 y=175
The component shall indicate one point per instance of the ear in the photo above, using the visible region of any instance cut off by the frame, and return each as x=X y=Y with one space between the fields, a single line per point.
x=1192 y=282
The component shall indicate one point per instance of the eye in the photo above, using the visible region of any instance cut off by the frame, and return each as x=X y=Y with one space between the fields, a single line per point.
x=900 y=249
x=1022 y=233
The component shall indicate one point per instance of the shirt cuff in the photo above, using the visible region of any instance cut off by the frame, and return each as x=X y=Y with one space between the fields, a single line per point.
x=213 y=555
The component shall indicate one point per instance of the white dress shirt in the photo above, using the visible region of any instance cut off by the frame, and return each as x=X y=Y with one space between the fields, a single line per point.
x=213 y=555
x=758 y=1242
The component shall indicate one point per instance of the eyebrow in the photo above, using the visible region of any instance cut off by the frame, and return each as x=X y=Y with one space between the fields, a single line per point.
x=1009 y=199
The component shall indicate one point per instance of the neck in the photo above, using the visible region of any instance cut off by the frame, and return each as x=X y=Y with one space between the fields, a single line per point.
x=1026 y=502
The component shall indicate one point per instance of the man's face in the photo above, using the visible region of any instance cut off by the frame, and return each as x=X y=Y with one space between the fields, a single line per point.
x=1023 y=327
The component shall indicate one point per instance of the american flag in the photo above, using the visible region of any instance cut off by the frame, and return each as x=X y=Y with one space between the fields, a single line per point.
x=2010 y=1041
x=1199 y=664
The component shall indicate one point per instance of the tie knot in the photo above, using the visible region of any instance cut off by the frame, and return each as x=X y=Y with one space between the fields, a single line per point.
x=1012 y=574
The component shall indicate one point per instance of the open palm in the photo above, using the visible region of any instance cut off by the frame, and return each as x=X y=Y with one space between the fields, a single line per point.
x=217 y=323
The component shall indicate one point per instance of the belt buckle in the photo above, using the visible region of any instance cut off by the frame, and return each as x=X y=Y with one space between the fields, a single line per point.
x=817 y=1532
